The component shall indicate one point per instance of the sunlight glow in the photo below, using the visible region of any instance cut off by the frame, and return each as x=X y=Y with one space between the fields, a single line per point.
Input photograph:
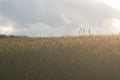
x=112 y=3
x=116 y=23
x=6 y=29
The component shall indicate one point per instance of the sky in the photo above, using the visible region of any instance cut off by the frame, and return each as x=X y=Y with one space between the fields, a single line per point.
x=59 y=17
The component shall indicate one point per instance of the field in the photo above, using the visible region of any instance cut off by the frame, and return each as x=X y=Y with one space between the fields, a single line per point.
x=65 y=58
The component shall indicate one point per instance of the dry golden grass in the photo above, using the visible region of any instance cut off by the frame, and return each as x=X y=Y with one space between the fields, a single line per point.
x=70 y=58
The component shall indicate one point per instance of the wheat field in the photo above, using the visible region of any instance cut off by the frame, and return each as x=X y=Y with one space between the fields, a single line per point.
x=65 y=58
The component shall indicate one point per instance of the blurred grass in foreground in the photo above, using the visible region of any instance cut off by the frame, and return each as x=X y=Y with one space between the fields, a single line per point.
x=67 y=58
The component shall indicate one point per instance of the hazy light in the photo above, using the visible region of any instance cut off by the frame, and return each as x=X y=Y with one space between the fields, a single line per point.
x=116 y=23
x=112 y=3
x=6 y=29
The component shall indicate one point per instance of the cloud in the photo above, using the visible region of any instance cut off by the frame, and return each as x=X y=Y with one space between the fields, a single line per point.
x=55 y=17
x=8 y=29
x=43 y=30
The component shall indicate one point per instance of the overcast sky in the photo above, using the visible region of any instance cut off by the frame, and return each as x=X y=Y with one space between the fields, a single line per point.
x=59 y=17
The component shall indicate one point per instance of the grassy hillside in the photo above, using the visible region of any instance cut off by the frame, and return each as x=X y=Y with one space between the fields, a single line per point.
x=71 y=58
